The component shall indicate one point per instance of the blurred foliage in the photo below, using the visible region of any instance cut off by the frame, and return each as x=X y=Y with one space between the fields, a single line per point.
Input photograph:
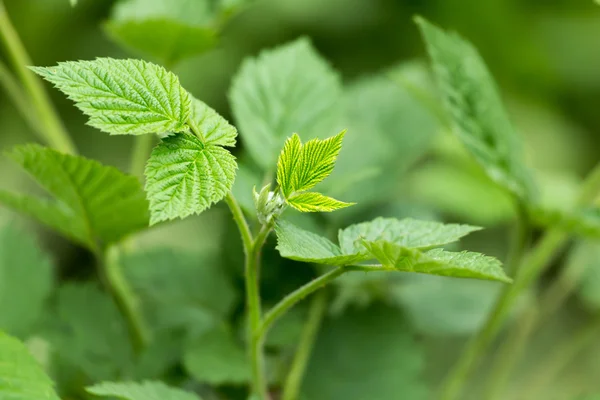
x=384 y=334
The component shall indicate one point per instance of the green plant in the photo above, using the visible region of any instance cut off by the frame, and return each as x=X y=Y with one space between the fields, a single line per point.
x=176 y=310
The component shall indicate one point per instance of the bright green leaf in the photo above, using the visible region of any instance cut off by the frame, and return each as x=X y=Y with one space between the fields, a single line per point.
x=91 y=201
x=185 y=177
x=285 y=90
x=123 y=96
x=87 y=332
x=366 y=354
x=478 y=117
x=410 y=233
x=26 y=279
x=297 y=244
x=287 y=162
x=21 y=377
x=215 y=357
x=436 y=262
x=140 y=391
x=315 y=202
x=215 y=129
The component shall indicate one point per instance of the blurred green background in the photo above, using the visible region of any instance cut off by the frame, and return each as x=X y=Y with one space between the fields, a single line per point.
x=545 y=56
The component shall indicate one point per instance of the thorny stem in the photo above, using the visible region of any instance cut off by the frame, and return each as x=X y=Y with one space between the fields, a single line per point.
x=531 y=267
x=54 y=132
x=291 y=387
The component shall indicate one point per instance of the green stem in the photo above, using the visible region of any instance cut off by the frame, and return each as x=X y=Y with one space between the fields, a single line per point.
x=14 y=90
x=291 y=388
x=531 y=268
x=125 y=298
x=520 y=240
x=561 y=357
x=54 y=132
x=142 y=147
x=296 y=296
x=240 y=221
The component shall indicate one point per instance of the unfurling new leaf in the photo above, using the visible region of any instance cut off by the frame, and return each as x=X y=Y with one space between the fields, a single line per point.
x=301 y=166
x=397 y=245
x=123 y=96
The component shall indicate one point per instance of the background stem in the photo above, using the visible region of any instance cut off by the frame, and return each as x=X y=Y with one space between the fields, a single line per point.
x=291 y=388
x=55 y=134
x=142 y=147
x=15 y=92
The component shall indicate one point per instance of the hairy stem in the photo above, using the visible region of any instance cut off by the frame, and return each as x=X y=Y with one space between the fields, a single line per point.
x=532 y=266
x=142 y=147
x=54 y=133
x=15 y=92
x=291 y=387
x=125 y=298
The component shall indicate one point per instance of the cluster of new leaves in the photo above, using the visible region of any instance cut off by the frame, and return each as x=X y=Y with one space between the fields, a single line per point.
x=397 y=245
x=91 y=203
x=301 y=166
x=189 y=170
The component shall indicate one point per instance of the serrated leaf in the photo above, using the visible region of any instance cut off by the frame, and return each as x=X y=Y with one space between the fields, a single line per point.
x=185 y=177
x=215 y=357
x=91 y=201
x=410 y=233
x=123 y=96
x=87 y=332
x=368 y=354
x=477 y=114
x=436 y=262
x=140 y=391
x=300 y=245
x=21 y=377
x=284 y=90
x=26 y=279
x=215 y=129
x=286 y=164
x=316 y=202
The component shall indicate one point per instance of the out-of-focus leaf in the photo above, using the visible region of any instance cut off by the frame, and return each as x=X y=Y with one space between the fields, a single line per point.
x=26 y=278
x=21 y=377
x=282 y=91
x=216 y=357
x=185 y=176
x=180 y=289
x=585 y=222
x=91 y=201
x=88 y=334
x=123 y=97
x=367 y=354
x=441 y=307
x=478 y=117
x=140 y=391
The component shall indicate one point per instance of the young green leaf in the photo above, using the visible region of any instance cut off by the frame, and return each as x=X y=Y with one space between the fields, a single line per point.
x=478 y=117
x=408 y=232
x=88 y=333
x=301 y=166
x=168 y=30
x=91 y=201
x=297 y=244
x=140 y=391
x=368 y=354
x=315 y=202
x=214 y=129
x=185 y=176
x=123 y=96
x=21 y=377
x=215 y=357
x=284 y=90
x=26 y=279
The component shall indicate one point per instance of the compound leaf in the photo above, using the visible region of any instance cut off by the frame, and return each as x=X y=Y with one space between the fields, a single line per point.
x=300 y=245
x=21 y=377
x=284 y=90
x=410 y=233
x=123 y=96
x=315 y=202
x=26 y=279
x=477 y=114
x=215 y=357
x=140 y=391
x=91 y=201
x=184 y=176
